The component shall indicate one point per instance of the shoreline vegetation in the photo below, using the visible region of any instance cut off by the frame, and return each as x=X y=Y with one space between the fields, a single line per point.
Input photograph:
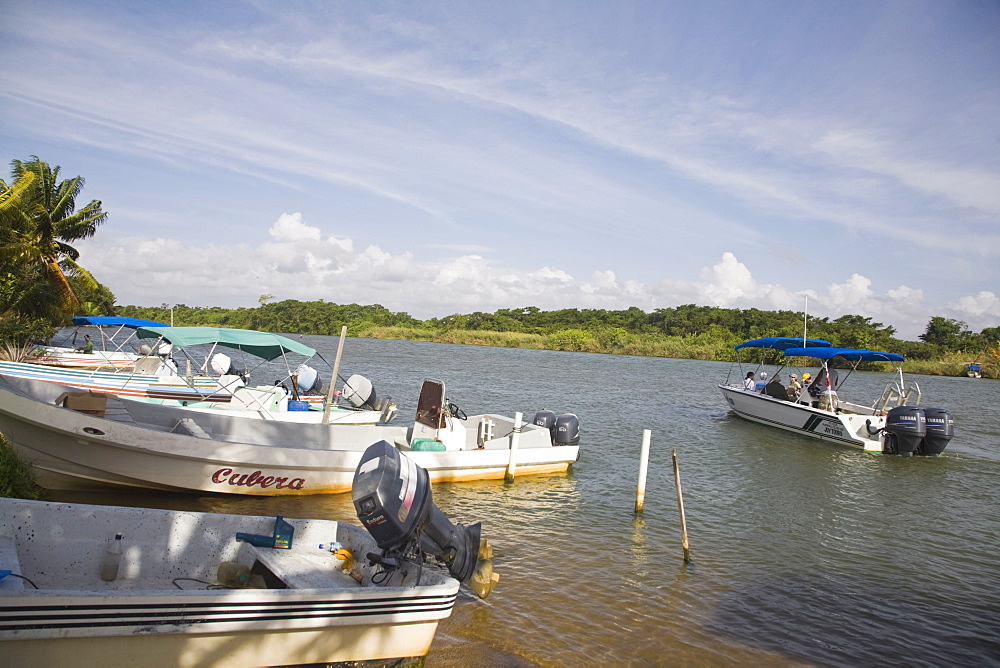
x=684 y=332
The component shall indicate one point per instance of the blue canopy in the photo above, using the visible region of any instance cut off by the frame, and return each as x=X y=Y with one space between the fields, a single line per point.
x=262 y=344
x=100 y=320
x=847 y=353
x=782 y=343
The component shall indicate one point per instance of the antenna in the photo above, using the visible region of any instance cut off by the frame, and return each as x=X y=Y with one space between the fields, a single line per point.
x=805 y=317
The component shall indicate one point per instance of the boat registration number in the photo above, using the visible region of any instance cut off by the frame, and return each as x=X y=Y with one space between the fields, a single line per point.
x=831 y=428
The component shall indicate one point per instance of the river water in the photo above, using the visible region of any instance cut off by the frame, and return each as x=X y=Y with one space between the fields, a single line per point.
x=802 y=552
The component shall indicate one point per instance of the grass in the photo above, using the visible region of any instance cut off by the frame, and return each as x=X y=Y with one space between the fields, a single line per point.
x=16 y=478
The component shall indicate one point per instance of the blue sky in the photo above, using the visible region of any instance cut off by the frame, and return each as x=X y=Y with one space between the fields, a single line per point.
x=448 y=157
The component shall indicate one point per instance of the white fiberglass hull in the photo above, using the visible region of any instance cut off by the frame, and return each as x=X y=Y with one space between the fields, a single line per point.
x=161 y=608
x=70 y=357
x=845 y=428
x=71 y=450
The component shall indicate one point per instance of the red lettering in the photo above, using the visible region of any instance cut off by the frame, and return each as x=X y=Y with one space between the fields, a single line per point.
x=228 y=475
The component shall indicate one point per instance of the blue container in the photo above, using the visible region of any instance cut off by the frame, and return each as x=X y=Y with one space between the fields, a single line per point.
x=294 y=405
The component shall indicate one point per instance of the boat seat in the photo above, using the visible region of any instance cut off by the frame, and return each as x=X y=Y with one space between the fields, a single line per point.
x=298 y=568
x=256 y=398
x=147 y=366
x=10 y=562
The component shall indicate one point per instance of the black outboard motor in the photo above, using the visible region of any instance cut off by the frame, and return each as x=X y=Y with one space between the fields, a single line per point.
x=567 y=430
x=546 y=419
x=905 y=428
x=940 y=430
x=392 y=496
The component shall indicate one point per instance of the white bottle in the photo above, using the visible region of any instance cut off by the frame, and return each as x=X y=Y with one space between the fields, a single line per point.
x=112 y=560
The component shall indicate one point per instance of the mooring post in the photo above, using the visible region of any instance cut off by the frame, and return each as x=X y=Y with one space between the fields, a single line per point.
x=640 y=490
x=680 y=507
x=515 y=436
x=333 y=377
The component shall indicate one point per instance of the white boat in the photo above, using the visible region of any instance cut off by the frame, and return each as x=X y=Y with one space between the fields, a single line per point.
x=198 y=589
x=95 y=444
x=156 y=376
x=112 y=352
x=891 y=422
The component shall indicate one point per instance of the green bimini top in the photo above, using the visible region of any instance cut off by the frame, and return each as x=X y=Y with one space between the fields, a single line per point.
x=262 y=344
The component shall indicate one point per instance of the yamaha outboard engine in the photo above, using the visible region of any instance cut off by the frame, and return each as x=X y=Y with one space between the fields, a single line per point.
x=392 y=496
x=546 y=419
x=567 y=430
x=940 y=430
x=905 y=428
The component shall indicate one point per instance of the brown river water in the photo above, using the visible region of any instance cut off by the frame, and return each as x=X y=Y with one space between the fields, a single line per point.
x=802 y=552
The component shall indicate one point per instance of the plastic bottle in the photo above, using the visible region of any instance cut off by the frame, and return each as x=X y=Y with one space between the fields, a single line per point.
x=112 y=560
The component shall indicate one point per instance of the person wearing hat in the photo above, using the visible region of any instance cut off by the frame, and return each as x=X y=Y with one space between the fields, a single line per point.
x=748 y=381
x=776 y=389
x=762 y=383
x=794 y=387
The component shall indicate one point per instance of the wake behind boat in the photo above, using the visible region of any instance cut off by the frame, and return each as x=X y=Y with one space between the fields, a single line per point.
x=892 y=422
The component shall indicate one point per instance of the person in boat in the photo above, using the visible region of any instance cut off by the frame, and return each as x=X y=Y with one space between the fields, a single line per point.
x=88 y=345
x=762 y=383
x=748 y=383
x=776 y=389
x=794 y=387
x=806 y=377
x=823 y=390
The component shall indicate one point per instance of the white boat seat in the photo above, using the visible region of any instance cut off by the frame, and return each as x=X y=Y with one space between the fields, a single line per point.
x=147 y=366
x=298 y=568
x=10 y=562
x=257 y=398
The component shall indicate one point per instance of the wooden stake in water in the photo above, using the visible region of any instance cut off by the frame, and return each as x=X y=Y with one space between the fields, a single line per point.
x=640 y=490
x=333 y=377
x=514 y=438
x=680 y=507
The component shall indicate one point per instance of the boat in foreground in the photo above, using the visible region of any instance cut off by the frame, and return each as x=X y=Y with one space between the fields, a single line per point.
x=892 y=423
x=199 y=589
x=98 y=444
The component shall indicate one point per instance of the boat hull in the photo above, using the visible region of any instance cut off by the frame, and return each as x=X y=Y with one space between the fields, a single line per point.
x=852 y=430
x=70 y=450
x=143 y=619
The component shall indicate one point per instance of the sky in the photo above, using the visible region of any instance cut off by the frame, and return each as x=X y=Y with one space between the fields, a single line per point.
x=450 y=157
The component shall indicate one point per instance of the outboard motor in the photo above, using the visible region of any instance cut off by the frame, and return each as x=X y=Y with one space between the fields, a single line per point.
x=360 y=392
x=940 y=430
x=567 y=430
x=905 y=428
x=547 y=420
x=392 y=496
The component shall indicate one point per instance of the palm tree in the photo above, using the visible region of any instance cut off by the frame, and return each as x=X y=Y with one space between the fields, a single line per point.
x=39 y=219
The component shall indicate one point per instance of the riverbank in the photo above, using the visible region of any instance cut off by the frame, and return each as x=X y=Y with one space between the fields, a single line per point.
x=707 y=347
